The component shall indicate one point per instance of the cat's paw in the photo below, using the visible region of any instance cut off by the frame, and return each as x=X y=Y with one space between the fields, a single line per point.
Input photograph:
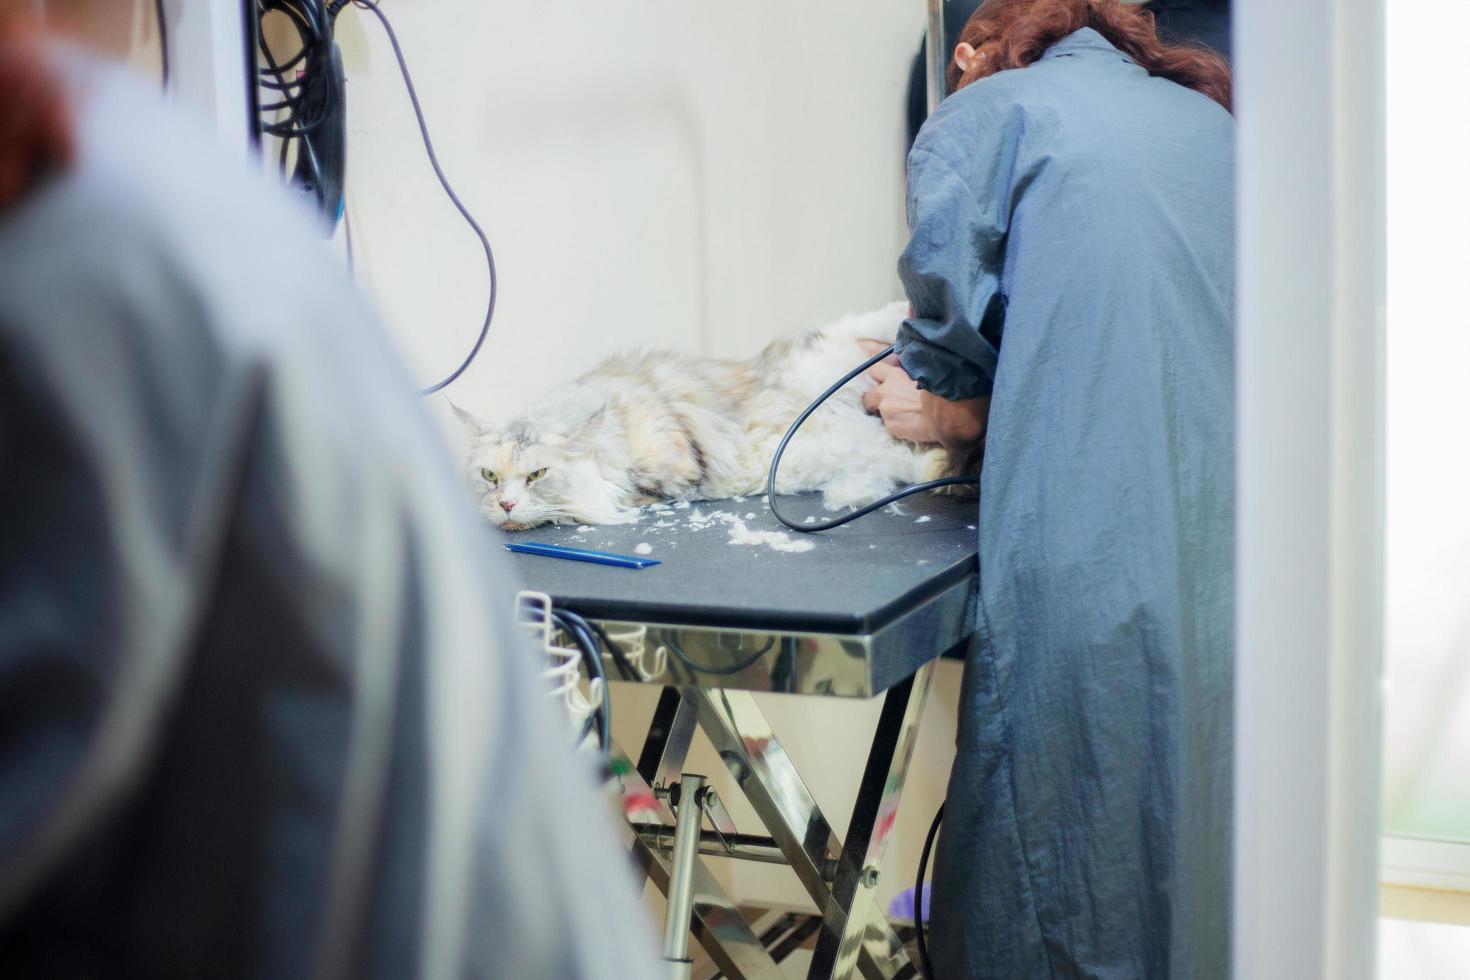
x=609 y=516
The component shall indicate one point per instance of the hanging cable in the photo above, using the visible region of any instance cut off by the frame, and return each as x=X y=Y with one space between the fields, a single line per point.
x=418 y=112
x=674 y=647
x=307 y=109
x=919 y=895
x=619 y=658
x=948 y=481
x=582 y=635
x=305 y=102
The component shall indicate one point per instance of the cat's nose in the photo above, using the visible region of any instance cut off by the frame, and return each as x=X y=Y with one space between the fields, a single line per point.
x=507 y=505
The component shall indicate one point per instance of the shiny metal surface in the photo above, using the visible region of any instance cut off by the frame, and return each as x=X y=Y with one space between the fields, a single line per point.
x=679 y=916
x=874 y=813
x=740 y=847
x=719 y=817
x=935 y=51
x=709 y=676
x=718 y=924
x=667 y=743
x=855 y=935
x=855 y=932
x=824 y=664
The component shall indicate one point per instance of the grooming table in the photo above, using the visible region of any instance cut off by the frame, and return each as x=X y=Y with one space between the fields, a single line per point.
x=865 y=612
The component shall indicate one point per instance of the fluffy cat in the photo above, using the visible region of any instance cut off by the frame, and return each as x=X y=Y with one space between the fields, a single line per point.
x=658 y=426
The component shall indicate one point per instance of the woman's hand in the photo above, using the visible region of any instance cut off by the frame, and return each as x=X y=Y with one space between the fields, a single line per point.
x=920 y=416
x=895 y=398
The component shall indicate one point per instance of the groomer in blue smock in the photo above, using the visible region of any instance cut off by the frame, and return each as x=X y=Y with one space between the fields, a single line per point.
x=1070 y=271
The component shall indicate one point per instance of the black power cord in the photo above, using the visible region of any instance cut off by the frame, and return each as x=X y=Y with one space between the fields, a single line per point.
x=619 y=658
x=948 y=481
x=418 y=112
x=305 y=104
x=590 y=638
x=586 y=640
x=919 y=895
x=677 y=650
x=298 y=99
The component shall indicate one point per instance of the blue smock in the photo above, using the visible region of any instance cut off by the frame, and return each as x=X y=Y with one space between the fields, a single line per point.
x=1072 y=258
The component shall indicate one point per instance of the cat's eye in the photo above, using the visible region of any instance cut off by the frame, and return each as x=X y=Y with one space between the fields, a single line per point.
x=489 y=476
x=537 y=475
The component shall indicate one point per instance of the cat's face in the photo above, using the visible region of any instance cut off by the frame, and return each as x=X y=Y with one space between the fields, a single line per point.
x=523 y=476
x=520 y=486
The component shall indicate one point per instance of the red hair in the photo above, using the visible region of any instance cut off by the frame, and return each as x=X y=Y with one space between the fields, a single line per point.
x=35 y=120
x=1014 y=33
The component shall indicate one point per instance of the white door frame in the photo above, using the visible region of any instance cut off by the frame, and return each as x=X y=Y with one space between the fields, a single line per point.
x=1310 y=280
x=208 y=63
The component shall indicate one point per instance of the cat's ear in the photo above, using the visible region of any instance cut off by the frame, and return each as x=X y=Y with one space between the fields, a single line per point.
x=472 y=423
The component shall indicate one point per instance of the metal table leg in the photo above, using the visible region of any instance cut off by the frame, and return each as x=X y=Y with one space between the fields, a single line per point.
x=749 y=748
x=854 y=887
x=667 y=743
x=718 y=924
x=677 y=919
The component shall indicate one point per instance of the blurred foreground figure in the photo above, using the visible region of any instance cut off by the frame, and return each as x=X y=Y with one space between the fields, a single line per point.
x=262 y=712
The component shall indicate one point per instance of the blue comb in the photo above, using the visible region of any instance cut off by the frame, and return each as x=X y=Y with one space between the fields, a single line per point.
x=580 y=554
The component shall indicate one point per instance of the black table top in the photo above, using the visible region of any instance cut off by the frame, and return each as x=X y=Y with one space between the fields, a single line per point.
x=853 y=580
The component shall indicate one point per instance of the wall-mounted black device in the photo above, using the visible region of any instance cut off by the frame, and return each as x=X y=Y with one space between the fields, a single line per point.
x=303 y=98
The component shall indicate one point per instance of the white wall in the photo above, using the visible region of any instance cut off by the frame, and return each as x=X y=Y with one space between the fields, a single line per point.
x=691 y=174
x=1427 y=733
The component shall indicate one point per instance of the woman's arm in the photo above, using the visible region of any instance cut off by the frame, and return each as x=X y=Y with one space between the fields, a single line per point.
x=936 y=389
x=950 y=271
x=957 y=426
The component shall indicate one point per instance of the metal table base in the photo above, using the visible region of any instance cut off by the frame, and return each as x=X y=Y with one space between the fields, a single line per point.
x=864 y=614
x=854 y=936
